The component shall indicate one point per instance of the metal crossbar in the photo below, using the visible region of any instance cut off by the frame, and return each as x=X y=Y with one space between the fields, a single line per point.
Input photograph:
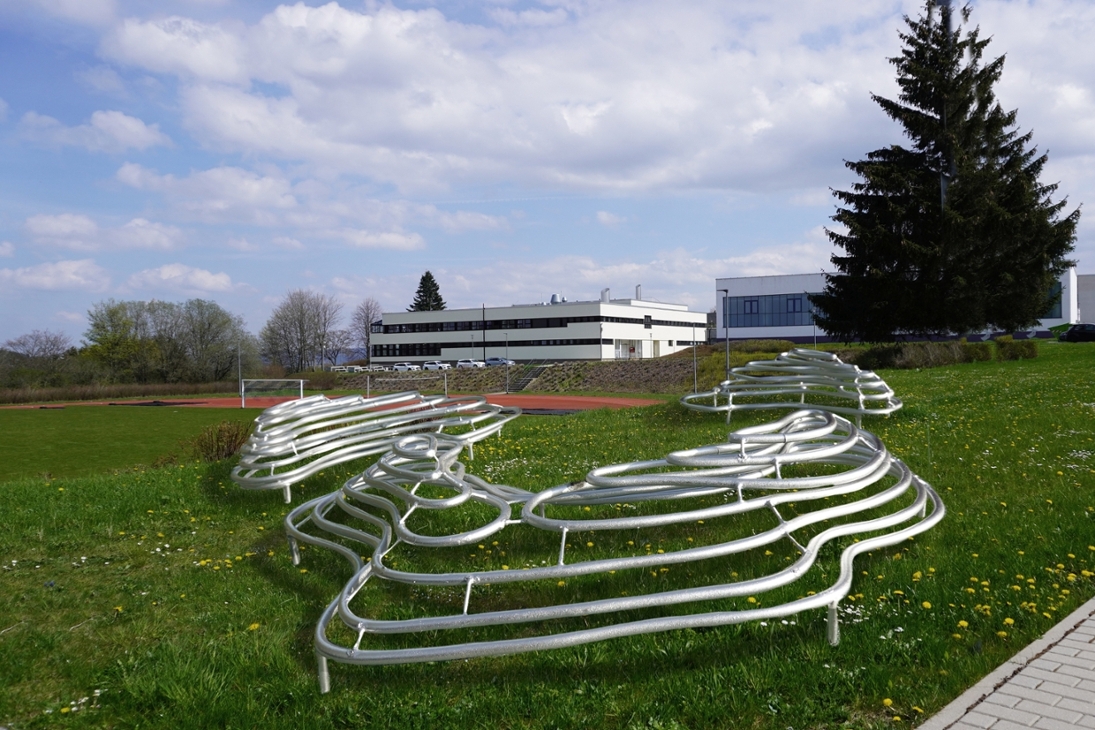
x=294 y=440
x=812 y=475
x=811 y=378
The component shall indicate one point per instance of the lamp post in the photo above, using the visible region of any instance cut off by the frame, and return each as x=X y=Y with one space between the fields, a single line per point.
x=726 y=329
x=507 y=360
x=695 y=375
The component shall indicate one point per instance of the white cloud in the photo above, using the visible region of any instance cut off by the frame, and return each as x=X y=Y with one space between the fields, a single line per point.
x=107 y=131
x=180 y=46
x=609 y=220
x=81 y=233
x=380 y=239
x=7 y=249
x=82 y=274
x=219 y=194
x=141 y=233
x=3 y=110
x=180 y=278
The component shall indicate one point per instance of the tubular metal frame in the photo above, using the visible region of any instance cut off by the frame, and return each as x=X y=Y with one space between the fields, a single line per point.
x=815 y=377
x=369 y=514
x=293 y=440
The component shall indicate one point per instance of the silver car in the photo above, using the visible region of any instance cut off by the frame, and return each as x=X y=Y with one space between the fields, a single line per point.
x=461 y=364
x=402 y=367
x=436 y=365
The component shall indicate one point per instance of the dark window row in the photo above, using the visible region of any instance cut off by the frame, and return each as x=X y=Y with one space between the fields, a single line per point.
x=772 y=310
x=433 y=349
x=511 y=324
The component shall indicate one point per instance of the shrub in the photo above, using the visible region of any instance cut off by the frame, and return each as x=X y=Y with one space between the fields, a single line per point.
x=316 y=379
x=1008 y=348
x=912 y=355
x=220 y=441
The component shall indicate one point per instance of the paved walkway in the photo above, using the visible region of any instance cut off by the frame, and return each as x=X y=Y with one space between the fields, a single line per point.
x=1048 y=685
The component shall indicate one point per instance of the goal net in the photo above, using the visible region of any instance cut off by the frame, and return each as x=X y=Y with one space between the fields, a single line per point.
x=267 y=387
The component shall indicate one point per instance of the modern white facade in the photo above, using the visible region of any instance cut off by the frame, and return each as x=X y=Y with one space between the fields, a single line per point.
x=608 y=329
x=778 y=307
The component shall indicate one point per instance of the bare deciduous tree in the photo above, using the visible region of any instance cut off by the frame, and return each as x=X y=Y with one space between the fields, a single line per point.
x=40 y=344
x=365 y=314
x=298 y=333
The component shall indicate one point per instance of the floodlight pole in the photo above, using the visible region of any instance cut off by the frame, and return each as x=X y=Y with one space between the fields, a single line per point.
x=726 y=329
x=695 y=375
x=507 y=360
x=239 y=371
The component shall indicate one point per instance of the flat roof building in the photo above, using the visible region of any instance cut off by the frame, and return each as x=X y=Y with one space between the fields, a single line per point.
x=606 y=329
x=778 y=307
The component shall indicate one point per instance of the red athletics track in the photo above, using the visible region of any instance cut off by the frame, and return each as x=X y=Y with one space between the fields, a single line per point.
x=527 y=402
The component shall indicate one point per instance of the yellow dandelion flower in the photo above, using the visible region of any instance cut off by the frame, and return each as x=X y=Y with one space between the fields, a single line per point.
x=253 y=627
x=752 y=599
x=926 y=604
x=1009 y=621
x=887 y=702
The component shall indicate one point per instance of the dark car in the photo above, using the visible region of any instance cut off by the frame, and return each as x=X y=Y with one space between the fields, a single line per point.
x=1079 y=333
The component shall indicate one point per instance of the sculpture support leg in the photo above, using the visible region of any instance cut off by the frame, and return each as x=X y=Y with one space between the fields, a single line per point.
x=834 y=625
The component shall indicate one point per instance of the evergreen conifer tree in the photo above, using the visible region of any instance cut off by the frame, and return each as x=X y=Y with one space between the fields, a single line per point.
x=955 y=233
x=428 y=297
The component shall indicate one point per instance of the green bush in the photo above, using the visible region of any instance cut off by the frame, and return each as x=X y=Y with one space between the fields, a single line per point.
x=316 y=379
x=1008 y=348
x=220 y=441
x=913 y=355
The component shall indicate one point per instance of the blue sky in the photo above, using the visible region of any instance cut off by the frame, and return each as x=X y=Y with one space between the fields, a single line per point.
x=235 y=149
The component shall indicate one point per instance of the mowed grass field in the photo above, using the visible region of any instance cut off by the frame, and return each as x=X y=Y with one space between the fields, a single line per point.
x=166 y=597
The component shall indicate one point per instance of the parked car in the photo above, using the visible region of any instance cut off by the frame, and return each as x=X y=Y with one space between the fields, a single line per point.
x=461 y=364
x=339 y=369
x=377 y=369
x=1079 y=333
x=402 y=367
x=491 y=361
x=436 y=365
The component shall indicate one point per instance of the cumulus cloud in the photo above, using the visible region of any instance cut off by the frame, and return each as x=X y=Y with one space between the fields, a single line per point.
x=107 y=131
x=83 y=274
x=380 y=239
x=180 y=278
x=7 y=249
x=609 y=220
x=3 y=110
x=102 y=79
x=81 y=233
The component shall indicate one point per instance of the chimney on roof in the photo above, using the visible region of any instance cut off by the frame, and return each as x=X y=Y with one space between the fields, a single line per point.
x=606 y=295
x=639 y=291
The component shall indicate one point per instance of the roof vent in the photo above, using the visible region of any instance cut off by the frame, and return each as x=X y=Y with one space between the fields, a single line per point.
x=606 y=294
x=639 y=291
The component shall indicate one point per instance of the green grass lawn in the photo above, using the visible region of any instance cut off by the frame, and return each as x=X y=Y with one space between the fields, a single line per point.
x=166 y=597
x=80 y=440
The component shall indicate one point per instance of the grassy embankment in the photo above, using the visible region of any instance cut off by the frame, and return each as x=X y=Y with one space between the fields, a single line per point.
x=170 y=592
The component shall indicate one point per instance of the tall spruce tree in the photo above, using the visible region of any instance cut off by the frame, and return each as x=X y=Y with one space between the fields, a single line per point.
x=428 y=297
x=955 y=233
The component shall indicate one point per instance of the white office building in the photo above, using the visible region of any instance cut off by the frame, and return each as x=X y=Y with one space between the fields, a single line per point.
x=607 y=329
x=778 y=307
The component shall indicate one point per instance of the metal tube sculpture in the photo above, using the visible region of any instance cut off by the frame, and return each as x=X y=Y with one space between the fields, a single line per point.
x=405 y=524
x=819 y=380
x=294 y=440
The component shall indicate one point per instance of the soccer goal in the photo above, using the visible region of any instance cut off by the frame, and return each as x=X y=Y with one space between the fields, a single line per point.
x=266 y=387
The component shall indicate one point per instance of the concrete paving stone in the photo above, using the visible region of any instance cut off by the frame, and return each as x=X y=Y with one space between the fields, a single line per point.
x=1026 y=693
x=1009 y=725
x=1062 y=650
x=1048 y=723
x=1080 y=673
x=978 y=720
x=1025 y=681
x=1050 y=676
x=1073 y=693
x=1044 y=710
x=1079 y=705
x=1087 y=721
x=1088 y=654
x=1087 y=685
x=1073 y=661
x=1007 y=700
x=989 y=707
x=1073 y=643
x=1046 y=664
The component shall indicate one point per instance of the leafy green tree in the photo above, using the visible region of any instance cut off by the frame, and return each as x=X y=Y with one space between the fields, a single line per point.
x=954 y=233
x=428 y=297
